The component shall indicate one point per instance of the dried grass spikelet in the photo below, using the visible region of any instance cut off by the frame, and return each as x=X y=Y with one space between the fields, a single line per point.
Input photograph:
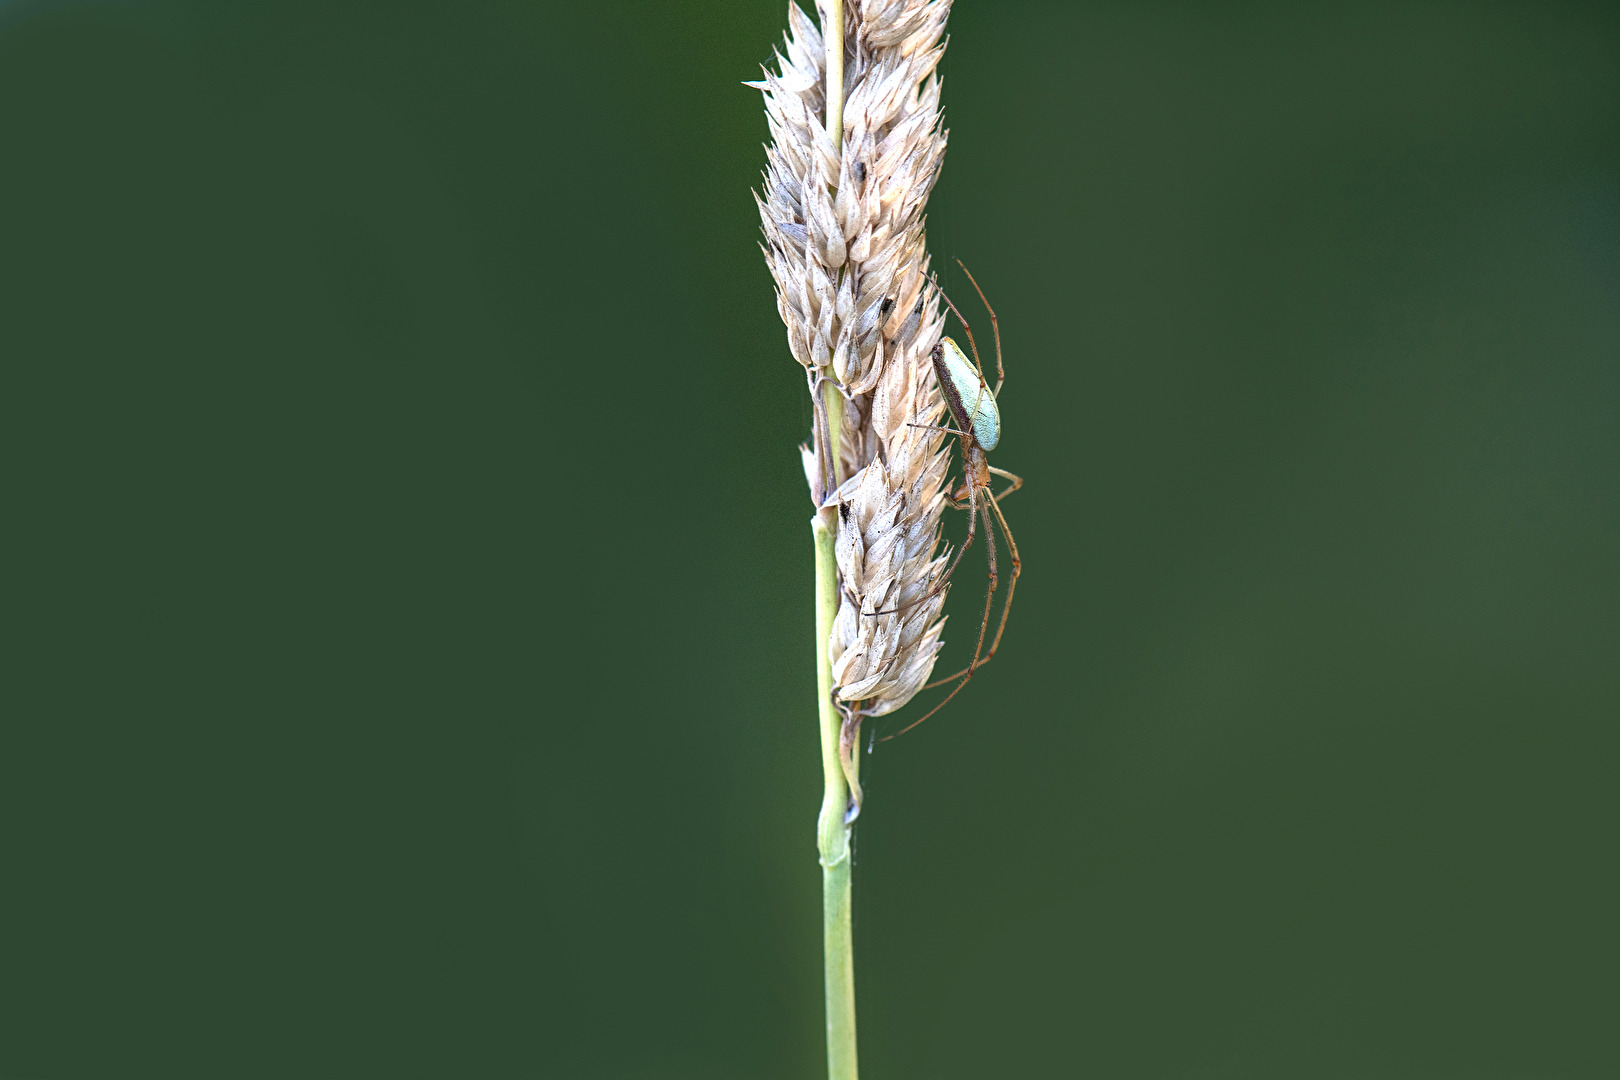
x=843 y=226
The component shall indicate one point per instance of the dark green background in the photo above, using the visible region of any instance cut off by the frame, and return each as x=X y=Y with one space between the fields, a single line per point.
x=408 y=581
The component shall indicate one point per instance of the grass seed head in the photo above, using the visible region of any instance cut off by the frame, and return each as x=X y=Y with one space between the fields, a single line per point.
x=843 y=224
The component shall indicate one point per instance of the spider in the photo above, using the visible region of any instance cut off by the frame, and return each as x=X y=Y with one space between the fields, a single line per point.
x=978 y=428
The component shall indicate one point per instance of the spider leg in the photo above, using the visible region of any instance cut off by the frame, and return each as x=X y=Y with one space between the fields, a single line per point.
x=966 y=329
x=995 y=328
x=1017 y=481
x=989 y=598
x=1006 y=604
x=977 y=366
x=946 y=430
x=1012 y=582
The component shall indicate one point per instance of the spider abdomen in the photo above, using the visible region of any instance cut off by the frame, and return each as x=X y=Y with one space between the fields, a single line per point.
x=969 y=399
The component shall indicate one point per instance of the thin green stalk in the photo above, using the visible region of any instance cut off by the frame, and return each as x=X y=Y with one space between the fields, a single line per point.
x=832 y=828
x=832 y=832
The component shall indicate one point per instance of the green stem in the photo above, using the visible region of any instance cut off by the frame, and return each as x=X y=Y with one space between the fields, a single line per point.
x=832 y=828
x=832 y=832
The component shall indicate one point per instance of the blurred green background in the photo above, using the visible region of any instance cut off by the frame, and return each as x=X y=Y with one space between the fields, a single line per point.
x=408 y=596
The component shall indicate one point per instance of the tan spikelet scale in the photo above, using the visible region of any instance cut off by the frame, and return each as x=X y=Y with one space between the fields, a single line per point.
x=843 y=238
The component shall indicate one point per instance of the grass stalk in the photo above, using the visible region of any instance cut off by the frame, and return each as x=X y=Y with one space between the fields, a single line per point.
x=832 y=829
x=856 y=144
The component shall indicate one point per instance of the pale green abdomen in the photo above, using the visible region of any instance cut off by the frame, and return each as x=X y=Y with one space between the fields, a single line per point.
x=969 y=398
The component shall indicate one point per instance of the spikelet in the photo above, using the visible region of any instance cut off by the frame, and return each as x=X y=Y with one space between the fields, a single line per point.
x=843 y=228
